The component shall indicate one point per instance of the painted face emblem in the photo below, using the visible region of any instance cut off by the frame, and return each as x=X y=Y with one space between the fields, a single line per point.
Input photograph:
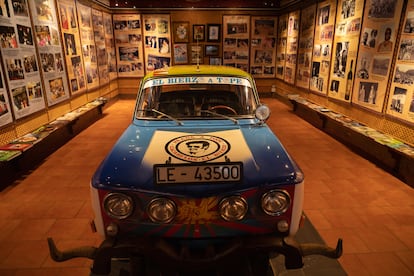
x=197 y=148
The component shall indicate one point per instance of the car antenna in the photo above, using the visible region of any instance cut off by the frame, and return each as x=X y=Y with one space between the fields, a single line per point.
x=198 y=57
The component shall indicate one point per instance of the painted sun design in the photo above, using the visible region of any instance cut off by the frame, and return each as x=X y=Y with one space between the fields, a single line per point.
x=198 y=211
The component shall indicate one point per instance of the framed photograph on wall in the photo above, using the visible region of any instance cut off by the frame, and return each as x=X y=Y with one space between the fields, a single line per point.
x=213 y=32
x=211 y=50
x=215 y=60
x=198 y=32
x=180 y=53
x=197 y=54
x=181 y=31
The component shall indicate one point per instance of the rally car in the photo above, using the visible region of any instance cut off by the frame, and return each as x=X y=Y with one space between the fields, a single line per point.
x=197 y=181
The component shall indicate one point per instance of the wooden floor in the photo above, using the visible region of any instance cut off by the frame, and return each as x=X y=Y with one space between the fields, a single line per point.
x=345 y=196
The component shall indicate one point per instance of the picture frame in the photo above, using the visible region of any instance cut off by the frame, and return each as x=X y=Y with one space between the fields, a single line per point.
x=213 y=32
x=197 y=56
x=180 y=53
x=181 y=31
x=215 y=61
x=198 y=32
x=211 y=50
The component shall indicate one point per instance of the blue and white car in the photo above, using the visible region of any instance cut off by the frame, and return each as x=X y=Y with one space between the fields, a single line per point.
x=197 y=180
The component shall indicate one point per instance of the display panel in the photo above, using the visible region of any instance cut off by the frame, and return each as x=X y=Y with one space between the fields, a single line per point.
x=50 y=50
x=72 y=46
x=322 y=47
x=281 y=46
x=376 y=49
x=157 y=41
x=88 y=45
x=263 y=47
x=292 y=46
x=307 y=27
x=101 y=53
x=401 y=99
x=5 y=111
x=110 y=45
x=128 y=43
x=236 y=32
x=346 y=40
x=20 y=60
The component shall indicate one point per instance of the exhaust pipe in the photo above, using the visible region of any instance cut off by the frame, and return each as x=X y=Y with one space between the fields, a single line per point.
x=61 y=256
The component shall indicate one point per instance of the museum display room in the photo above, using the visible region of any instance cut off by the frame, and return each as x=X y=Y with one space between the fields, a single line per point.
x=337 y=75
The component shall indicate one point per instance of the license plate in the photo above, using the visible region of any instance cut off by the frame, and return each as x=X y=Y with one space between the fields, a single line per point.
x=196 y=173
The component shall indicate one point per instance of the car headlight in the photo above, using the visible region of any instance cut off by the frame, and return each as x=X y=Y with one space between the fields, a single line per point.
x=162 y=210
x=233 y=208
x=118 y=205
x=275 y=202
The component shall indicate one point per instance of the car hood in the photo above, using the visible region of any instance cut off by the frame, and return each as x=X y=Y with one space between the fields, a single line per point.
x=130 y=163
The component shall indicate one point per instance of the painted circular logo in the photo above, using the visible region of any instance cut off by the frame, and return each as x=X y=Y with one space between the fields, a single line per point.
x=197 y=148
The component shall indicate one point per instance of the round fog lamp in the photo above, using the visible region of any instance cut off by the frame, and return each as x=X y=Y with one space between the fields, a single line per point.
x=233 y=208
x=262 y=113
x=162 y=210
x=276 y=202
x=118 y=206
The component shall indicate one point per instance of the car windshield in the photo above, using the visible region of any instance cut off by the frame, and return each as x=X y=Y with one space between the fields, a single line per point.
x=196 y=97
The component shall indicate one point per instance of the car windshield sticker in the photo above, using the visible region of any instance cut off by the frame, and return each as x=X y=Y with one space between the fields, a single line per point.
x=197 y=80
x=223 y=146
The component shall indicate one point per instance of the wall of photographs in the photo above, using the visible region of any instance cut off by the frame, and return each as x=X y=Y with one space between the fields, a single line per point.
x=236 y=34
x=307 y=25
x=401 y=99
x=322 y=48
x=263 y=46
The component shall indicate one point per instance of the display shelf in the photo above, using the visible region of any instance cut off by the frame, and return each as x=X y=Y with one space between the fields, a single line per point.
x=391 y=154
x=35 y=146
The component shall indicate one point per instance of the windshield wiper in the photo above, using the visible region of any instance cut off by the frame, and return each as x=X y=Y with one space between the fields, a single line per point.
x=221 y=115
x=168 y=116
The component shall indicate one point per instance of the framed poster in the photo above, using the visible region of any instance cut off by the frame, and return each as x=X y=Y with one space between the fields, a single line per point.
x=345 y=49
x=180 y=53
x=128 y=45
x=263 y=46
x=198 y=33
x=236 y=40
x=157 y=41
x=213 y=32
x=322 y=47
x=181 y=31
x=50 y=50
x=305 y=47
x=401 y=98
